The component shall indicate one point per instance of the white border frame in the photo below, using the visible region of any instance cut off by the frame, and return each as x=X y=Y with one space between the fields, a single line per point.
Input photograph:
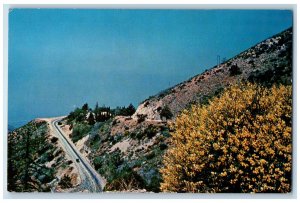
x=8 y=195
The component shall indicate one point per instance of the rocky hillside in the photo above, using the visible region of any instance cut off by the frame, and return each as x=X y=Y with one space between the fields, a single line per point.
x=126 y=146
x=267 y=62
x=36 y=161
x=128 y=150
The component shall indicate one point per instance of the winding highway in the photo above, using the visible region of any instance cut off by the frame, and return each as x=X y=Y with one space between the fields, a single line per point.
x=90 y=180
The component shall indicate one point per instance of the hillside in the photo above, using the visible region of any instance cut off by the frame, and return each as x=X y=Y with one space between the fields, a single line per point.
x=125 y=145
x=36 y=161
x=267 y=62
x=128 y=150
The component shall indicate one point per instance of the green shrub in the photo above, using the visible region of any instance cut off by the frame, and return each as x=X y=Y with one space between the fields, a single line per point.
x=77 y=115
x=95 y=142
x=166 y=133
x=79 y=131
x=125 y=180
x=150 y=131
x=154 y=184
x=108 y=164
x=65 y=182
x=141 y=118
x=97 y=162
x=163 y=146
x=124 y=111
x=234 y=70
x=54 y=140
x=166 y=113
x=138 y=135
x=150 y=155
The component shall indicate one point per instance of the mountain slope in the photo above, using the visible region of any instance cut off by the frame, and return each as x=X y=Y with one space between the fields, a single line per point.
x=267 y=62
x=36 y=161
x=128 y=150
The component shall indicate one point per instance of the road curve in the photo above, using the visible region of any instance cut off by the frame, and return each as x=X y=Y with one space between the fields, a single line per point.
x=90 y=179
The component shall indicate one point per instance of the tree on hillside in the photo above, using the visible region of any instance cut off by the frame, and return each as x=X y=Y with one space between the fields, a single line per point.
x=77 y=115
x=91 y=118
x=239 y=142
x=96 y=107
x=166 y=113
x=85 y=107
x=234 y=70
x=124 y=111
x=130 y=110
x=27 y=155
x=121 y=111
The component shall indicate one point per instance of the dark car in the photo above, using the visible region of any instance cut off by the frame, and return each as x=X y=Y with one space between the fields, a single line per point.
x=77 y=160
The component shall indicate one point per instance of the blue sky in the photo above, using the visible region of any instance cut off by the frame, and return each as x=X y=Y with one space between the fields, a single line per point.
x=62 y=58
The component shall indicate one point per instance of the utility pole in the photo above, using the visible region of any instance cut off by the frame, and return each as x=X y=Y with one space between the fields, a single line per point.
x=218 y=60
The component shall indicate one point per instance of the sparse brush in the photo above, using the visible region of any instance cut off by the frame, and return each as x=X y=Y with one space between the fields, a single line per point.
x=65 y=182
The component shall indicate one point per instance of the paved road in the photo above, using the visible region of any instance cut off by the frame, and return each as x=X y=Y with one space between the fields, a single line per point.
x=90 y=179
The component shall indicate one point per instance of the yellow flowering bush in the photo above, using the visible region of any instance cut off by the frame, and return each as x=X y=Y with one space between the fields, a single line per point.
x=239 y=142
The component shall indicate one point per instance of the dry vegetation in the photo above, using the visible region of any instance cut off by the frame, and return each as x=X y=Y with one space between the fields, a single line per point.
x=237 y=140
x=268 y=62
x=36 y=161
